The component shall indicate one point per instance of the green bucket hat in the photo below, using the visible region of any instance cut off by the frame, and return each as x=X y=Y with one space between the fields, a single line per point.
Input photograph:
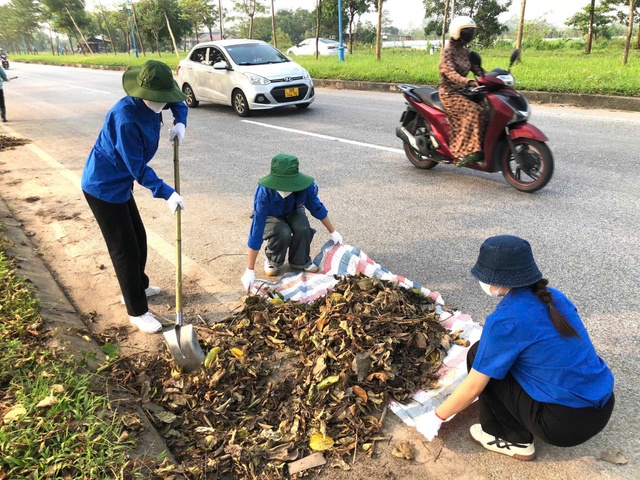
x=153 y=81
x=285 y=176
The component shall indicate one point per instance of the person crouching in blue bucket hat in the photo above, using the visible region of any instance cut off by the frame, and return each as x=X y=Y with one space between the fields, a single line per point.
x=279 y=218
x=534 y=371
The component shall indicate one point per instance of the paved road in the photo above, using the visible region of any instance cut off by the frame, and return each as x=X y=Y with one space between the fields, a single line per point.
x=427 y=225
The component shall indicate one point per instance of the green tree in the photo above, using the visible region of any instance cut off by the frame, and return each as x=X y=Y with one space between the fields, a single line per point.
x=19 y=20
x=211 y=17
x=194 y=12
x=353 y=9
x=484 y=12
x=248 y=9
x=603 y=20
x=64 y=15
x=297 y=24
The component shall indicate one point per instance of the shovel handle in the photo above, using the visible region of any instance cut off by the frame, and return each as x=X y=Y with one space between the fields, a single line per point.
x=176 y=173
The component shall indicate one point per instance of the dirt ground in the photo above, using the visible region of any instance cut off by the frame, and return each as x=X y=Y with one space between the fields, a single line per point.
x=45 y=198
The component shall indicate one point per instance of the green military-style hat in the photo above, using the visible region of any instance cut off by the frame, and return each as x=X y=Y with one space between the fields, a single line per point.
x=285 y=176
x=153 y=81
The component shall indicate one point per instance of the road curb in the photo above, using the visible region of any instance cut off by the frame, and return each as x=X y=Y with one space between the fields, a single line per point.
x=609 y=102
x=65 y=328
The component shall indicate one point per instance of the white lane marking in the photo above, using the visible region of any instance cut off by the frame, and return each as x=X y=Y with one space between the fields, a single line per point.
x=328 y=137
x=85 y=88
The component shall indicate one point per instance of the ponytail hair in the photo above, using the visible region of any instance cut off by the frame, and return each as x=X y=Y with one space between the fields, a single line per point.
x=563 y=327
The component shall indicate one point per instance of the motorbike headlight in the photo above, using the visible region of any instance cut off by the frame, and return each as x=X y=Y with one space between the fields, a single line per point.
x=507 y=79
x=257 y=79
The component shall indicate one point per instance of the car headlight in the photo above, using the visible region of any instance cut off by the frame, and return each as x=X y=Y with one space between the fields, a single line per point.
x=305 y=74
x=257 y=79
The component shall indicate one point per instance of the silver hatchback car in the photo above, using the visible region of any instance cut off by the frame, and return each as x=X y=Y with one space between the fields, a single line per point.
x=246 y=74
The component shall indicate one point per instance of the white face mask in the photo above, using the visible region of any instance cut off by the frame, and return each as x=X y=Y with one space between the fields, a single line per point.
x=155 y=106
x=487 y=289
x=284 y=194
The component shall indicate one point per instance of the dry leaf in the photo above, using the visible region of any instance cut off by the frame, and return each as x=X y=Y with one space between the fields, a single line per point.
x=360 y=393
x=320 y=442
x=16 y=412
x=403 y=449
x=47 y=401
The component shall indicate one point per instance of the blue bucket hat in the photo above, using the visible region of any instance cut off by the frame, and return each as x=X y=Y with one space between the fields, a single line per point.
x=506 y=261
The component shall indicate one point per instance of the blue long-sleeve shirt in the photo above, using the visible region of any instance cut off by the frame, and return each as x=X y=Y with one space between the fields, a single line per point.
x=269 y=203
x=127 y=143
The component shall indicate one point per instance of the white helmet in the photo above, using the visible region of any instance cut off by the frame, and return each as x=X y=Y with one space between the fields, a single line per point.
x=458 y=23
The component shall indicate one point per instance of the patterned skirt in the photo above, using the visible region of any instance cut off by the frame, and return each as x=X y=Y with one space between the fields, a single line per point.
x=468 y=121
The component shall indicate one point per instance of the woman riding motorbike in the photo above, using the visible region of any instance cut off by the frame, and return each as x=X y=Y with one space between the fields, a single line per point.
x=467 y=118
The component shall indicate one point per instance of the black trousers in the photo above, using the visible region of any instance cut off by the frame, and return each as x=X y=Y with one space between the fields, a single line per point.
x=291 y=232
x=509 y=413
x=3 y=109
x=126 y=240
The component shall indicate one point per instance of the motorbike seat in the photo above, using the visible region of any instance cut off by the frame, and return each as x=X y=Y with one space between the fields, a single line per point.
x=430 y=96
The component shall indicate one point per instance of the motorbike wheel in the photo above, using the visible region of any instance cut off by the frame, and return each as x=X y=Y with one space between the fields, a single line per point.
x=535 y=168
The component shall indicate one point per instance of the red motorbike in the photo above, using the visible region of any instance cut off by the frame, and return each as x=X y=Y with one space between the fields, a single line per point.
x=511 y=144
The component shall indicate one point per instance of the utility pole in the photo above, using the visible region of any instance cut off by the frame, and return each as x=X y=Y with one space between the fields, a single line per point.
x=133 y=34
x=521 y=25
x=341 y=47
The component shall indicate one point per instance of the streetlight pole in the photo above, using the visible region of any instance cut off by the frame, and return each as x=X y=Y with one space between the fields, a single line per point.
x=133 y=35
x=341 y=47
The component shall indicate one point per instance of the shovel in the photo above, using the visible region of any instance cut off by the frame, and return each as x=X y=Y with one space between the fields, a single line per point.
x=182 y=340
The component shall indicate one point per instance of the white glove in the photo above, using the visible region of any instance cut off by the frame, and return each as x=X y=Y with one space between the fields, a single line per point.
x=429 y=425
x=336 y=237
x=177 y=131
x=248 y=278
x=175 y=201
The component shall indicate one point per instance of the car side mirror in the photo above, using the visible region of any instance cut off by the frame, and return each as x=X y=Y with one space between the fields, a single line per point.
x=221 y=66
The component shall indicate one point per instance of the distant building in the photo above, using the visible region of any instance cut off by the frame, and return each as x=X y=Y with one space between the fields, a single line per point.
x=98 y=44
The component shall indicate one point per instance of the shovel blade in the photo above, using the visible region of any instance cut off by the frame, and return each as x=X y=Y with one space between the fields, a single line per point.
x=184 y=347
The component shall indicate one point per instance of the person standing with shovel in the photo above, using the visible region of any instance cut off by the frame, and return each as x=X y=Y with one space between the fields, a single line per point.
x=127 y=143
x=3 y=108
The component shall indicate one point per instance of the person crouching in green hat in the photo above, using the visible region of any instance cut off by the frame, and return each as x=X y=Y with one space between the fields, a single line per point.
x=120 y=156
x=279 y=218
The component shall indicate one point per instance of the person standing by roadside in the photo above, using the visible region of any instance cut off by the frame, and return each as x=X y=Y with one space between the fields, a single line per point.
x=127 y=143
x=534 y=371
x=3 y=108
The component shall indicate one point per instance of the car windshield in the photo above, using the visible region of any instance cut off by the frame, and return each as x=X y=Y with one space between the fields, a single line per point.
x=255 y=54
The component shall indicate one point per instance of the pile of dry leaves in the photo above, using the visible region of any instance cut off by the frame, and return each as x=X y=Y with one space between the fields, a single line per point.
x=283 y=379
x=7 y=142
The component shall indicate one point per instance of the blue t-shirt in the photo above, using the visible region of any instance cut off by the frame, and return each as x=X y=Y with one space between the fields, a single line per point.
x=520 y=338
x=269 y=203
x=127 y=142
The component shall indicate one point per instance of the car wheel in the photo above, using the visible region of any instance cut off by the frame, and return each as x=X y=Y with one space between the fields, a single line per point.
x=240 y=104
x=303 y=106
x=191 y=100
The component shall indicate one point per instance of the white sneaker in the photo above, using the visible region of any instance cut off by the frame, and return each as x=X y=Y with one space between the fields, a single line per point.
x=146 y=323
x=519 y=451
x=269 y=269
x=149 y=292
x=310 y=268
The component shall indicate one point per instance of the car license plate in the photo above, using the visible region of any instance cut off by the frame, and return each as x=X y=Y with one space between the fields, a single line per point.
x=291 y=92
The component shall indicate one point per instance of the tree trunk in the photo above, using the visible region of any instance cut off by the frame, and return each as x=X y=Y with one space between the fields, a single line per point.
x=351 y=35
x=106 y=24
x=379 y=31
x=521 y=25
x=590 y=34
x=273 y=25
x=318 y=17
x=173 y=39
x=135 y=24
x=76 y=25
x=638 y=39
x=445 y=16
x=625 y=56
x=221 y=26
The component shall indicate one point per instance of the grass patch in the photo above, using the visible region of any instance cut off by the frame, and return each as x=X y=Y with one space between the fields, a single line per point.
x=53 y=424
x=562 y=70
